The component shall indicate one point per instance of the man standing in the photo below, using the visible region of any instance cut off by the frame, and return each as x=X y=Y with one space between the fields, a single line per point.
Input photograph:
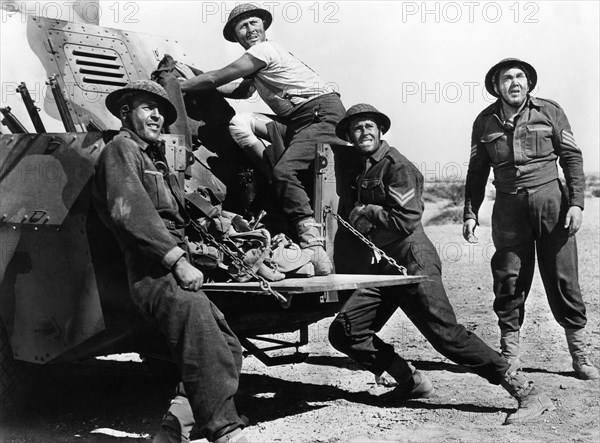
x=521 y=137
x=141 y=204
x=388 y=207
x=307 y=110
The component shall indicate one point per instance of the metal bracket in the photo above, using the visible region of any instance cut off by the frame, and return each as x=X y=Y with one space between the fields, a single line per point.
x=268 y=360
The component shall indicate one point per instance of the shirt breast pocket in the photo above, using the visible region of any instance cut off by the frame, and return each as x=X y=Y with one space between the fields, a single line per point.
x=496 y=147
x=538 y=141
x=372 y=191
x=154 y=183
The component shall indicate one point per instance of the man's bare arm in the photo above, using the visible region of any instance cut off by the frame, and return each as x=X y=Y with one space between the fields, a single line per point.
x=242 y=67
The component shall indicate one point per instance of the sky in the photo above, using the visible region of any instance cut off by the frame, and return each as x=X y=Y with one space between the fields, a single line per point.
x=421 y=63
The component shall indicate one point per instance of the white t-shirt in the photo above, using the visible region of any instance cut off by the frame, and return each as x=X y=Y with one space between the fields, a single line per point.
x=285 y=82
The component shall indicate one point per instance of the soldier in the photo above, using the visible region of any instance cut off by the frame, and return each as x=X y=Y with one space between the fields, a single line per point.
x=521 y=137
x=306 y=108
x=384 y=202
x=140 y=203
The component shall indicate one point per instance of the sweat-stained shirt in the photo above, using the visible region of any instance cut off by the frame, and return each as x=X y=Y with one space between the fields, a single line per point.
x=286 y=82
x=134 y=199
x=391 y=187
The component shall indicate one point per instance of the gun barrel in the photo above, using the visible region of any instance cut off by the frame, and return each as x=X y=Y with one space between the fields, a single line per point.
x=31 y=108
x=61 y=104
x=12 y=122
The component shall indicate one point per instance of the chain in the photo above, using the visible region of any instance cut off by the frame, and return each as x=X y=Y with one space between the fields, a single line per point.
x=263 y=283
x=365 y=240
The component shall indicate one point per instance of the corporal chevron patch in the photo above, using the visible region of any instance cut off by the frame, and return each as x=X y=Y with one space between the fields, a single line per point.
x=568 y=139
x=402 y=197
x=473 y=150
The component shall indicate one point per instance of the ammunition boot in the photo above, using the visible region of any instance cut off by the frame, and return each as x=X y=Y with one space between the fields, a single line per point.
x=532 y=402
x=406 y=380
x=178 y=421
x=311 y=240
x=584 y=368
x=170 y=431
x=509 y=346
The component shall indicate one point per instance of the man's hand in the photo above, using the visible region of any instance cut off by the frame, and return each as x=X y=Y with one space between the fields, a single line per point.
x=359 y=221
x=469 y=230
x=188 y=277
x=573 y=220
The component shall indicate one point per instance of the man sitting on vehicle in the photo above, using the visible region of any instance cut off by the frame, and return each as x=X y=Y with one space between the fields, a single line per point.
x=142 y=206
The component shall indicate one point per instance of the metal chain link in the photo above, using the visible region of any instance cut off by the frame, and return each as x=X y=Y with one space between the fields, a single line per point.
x=263 y=283
x=365 y=240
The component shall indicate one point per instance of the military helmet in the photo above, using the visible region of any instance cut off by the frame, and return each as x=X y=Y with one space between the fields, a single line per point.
x=241 y=12
x=341 y=130
x=491 y=76
x=114 y=99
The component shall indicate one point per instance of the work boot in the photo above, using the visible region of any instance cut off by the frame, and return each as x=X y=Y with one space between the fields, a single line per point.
x=170 y=431
x=509 y=346
x=584 y=368
x=407 y=381
x=532 y=402
x=311 y=240
x=178 y=421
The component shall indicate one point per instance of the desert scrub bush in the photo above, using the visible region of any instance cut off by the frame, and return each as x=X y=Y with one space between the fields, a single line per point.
x=448 y=215
x=592 y=185
x=435 y=191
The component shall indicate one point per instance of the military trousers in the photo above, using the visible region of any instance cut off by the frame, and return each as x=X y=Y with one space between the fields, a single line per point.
x=206 y=351
x=523 y=223
x=354 y=330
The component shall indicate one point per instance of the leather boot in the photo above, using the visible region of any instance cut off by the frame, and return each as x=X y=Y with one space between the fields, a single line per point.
x=407 y=381
x=170 y=431
x=583 y=366
x=310 y=239
x=178 y=421
x=509 y=346
x=532 y=401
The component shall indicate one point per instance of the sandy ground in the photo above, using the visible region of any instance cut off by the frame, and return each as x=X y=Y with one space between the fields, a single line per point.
x=328 y=398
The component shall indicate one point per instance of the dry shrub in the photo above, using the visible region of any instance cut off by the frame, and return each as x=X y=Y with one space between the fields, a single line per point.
x=592 y=185
x=454 y=191
x=449 y=215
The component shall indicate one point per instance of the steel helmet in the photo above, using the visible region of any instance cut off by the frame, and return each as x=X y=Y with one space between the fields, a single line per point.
x=508 y=63
x=341 y=130
x=241 y=12
x=115 y=98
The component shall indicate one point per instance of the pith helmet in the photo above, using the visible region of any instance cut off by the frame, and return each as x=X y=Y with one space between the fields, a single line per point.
x=115 y=98
x=341 y=130
x=240 y=12
x=510 y=63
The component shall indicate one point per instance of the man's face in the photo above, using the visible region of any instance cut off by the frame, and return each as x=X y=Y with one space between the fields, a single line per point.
x=146 y=117
x=365 y=134
x=250 y=31
x=512 y=86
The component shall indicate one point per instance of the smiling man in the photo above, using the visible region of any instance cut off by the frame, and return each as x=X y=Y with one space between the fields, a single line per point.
x=521 y=137
x=139 y=200
x=306 y=111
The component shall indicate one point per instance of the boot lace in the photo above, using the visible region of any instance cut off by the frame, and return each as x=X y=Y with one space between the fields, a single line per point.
x=583 y=360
